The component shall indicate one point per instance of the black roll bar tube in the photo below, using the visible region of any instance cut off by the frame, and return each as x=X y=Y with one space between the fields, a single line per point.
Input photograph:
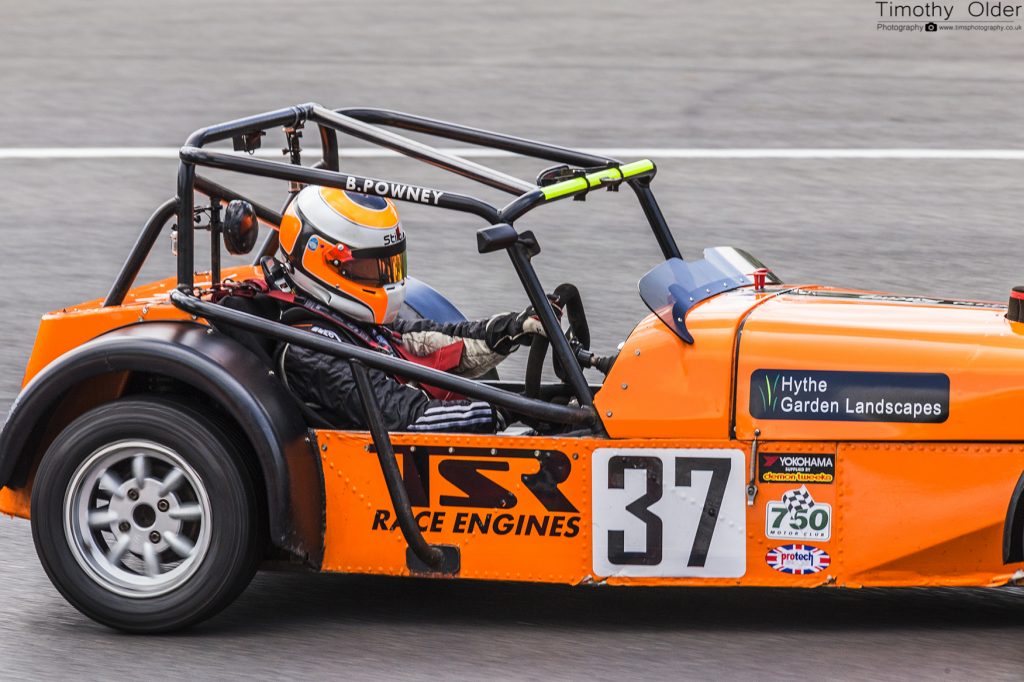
x=521 y=205
x=477 y=136
x=532 y=148
x=154 y=226
x=289 y=116
x=519 y=252
x=427 y=553
x=213 y=189
x=656 y=219
x=418 y=150
x=186 y=235
x=559 y=414
x=137 y=256
x=329 y=148
x=292 y=116
x=193 y=156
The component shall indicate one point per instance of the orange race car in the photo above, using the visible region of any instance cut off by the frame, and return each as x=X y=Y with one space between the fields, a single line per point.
x=749 y=432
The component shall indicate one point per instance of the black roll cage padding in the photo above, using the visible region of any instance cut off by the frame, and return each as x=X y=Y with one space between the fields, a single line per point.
x=558 y=414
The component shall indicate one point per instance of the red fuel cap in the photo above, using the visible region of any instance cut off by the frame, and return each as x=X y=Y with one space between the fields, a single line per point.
x=760 y=275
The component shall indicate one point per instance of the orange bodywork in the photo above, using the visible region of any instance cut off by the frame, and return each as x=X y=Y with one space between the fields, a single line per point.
x=903 y=514
x=894 y=503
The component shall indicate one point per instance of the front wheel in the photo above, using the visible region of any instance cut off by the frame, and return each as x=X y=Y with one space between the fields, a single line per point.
x=144 y=515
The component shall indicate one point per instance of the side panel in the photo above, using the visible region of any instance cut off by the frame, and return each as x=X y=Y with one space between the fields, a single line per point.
x=925 y=514
x=531 y=509
x=530 y=497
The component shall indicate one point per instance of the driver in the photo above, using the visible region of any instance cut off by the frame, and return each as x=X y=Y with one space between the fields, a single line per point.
x=343 y=276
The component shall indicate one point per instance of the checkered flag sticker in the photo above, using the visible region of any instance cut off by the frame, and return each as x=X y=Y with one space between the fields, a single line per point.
x=798 y=500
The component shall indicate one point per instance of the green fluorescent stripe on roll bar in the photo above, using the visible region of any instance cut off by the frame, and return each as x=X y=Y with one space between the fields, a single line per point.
x=560 y=189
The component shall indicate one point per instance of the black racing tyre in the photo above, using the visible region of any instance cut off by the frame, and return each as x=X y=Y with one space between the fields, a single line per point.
x=145 y=517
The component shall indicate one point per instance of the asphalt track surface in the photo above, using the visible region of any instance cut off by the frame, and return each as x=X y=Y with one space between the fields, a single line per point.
x=653 y=74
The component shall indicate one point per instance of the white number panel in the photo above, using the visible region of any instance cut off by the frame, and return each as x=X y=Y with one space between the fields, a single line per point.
x=669 y=513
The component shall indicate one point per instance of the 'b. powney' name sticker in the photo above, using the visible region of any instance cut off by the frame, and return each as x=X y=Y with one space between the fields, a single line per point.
x=849 y=396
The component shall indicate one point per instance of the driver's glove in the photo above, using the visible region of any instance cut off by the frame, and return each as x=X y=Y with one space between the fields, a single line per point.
x=505 y=332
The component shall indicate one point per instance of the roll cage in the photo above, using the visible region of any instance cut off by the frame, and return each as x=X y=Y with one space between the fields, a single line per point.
x=579 y=174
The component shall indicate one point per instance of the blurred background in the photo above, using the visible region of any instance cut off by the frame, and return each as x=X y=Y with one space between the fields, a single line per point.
x=651 y=74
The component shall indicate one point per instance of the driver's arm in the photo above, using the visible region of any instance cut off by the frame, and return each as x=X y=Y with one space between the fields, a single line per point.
x=485 y=342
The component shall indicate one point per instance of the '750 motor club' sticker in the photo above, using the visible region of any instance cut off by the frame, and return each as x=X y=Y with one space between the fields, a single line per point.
x=798 y=516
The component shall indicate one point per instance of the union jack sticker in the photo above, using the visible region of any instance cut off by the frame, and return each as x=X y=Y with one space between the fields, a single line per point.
x=798 y=559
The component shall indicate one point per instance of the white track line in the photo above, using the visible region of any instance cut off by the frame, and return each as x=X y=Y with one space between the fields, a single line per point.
x=626 y=153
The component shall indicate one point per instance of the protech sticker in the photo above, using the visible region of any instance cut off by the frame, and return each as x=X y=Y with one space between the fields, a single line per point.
x=797 y=516
x=781 y=467
x=812 y=395
x=798 y=559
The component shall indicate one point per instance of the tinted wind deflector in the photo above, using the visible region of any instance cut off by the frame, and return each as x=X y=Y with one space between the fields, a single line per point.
x=673 y=287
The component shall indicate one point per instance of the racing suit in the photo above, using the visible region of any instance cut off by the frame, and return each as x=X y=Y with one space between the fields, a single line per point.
x=326 y=383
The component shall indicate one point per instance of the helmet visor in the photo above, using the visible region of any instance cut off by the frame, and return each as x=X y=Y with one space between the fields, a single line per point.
x=373 y=272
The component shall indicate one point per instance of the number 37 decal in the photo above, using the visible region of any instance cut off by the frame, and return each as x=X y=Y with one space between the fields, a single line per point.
x=669 y=513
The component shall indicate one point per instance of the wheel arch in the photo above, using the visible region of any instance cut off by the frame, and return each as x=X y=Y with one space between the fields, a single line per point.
x=196 y=356
x=1013 y=527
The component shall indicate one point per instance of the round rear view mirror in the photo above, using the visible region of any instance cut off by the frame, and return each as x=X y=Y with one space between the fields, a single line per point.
x=240 y=227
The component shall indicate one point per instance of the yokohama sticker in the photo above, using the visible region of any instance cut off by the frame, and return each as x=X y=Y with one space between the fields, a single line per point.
x=784 y=467
x=798 y=559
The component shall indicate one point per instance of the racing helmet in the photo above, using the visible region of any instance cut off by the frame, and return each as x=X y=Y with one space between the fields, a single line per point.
x=346 y=250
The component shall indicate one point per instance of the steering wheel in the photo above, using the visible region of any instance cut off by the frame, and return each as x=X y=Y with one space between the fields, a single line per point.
x=567 y=297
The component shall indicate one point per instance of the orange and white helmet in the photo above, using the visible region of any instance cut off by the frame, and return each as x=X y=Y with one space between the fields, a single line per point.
x=346 y=250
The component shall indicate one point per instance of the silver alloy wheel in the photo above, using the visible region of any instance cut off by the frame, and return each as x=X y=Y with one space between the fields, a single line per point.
x=137 y=518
